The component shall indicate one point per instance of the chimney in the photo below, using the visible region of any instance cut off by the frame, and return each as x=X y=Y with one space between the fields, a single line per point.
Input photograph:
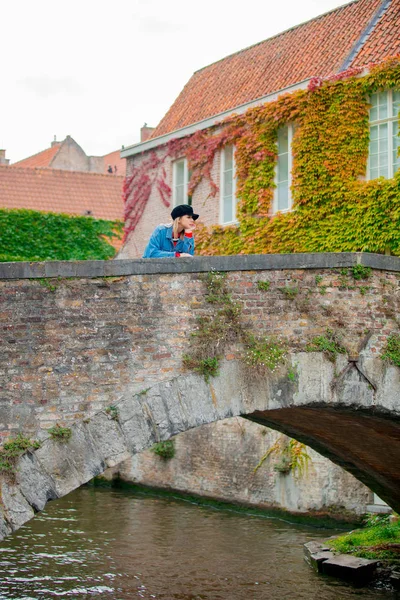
x=3 y=159
x=54 y=142
x=145 y=132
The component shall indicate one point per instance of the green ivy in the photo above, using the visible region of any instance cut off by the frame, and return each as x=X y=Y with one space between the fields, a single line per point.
x=336 y=209
x=28 y=235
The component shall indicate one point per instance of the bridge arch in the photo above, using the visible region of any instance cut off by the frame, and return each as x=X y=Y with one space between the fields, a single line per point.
x=349 y=413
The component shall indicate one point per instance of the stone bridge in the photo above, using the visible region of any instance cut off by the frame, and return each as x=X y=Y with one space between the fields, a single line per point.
x=97 y=347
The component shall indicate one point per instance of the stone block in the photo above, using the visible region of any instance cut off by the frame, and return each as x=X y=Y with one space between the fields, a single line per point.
x=316 y=553
x=136 y=425
x=344 y=566
x=108 y=439
x=35 y=485
x=17 y=510
x=71 y=463
x=395 y=580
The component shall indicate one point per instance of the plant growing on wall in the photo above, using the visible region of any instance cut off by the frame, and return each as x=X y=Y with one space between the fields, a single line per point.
x=59 y=433
x=12 y=450
x=336 y=209
x=292 y=456
x=165 y=450
x=330 y=344
x=33 y=235
x=224 y=326
x=391 y=353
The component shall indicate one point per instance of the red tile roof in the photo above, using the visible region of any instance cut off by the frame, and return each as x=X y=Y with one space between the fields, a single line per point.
x=316 y=48
x=45 y=159
x=54 y=190
x=384 y=40
x=41 y=159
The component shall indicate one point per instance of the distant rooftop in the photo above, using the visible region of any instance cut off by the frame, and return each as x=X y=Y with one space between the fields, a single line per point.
x=54 y=190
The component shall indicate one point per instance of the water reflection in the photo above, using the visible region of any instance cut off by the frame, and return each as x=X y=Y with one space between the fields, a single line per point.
x=122 y=545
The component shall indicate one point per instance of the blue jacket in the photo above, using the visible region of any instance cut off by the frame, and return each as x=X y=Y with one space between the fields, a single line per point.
x=161 y=245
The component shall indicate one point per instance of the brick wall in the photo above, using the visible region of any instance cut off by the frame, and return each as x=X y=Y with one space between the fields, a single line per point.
x=218 y=460
x=156 y=212
x=72 y=346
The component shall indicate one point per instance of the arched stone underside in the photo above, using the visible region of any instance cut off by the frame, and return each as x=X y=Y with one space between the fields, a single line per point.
x=348 y=412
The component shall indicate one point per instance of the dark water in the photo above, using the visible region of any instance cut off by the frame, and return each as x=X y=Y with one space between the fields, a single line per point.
x=119 y=545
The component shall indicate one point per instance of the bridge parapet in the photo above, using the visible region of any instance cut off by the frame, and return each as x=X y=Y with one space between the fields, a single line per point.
x=79 y=336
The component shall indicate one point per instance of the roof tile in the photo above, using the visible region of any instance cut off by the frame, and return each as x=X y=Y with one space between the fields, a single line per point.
x=316 y=48
x=55 y=190
x=384 y=40
x=41 y=159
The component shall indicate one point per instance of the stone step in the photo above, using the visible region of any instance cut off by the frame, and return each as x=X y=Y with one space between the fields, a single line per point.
x=345 y=566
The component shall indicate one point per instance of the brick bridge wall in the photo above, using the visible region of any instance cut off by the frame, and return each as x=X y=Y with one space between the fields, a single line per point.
x=77 y=336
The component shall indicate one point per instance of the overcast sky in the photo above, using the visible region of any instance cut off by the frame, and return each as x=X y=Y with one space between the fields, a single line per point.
x=98 y=70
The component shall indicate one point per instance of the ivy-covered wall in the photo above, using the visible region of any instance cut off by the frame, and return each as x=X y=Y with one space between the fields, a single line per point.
x=29 y=235
x=334 y=207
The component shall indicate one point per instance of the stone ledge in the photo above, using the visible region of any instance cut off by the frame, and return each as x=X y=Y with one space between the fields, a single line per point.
x=343 y=566
x=197 y=264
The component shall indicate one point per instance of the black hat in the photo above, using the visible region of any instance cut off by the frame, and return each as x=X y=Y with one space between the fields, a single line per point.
x=183 y=209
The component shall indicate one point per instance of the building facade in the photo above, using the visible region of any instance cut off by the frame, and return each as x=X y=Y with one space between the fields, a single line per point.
x=289 y=123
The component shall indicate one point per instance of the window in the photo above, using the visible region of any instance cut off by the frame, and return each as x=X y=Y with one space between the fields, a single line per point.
x=180 y=182
x=283 y=171
x=383 y=134
x=228 y=186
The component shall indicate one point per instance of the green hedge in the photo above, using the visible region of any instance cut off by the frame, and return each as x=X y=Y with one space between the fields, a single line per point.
x=32 y=235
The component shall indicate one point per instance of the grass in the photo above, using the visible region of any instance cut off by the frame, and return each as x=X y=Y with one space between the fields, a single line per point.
x=59 y=433
x=391 y=353
x=263 y=285
x=381 y=541
x=12 y=450
x=164 y=449
x=112 y=412
x=329 y=344
x=266 y=353
x=289 y=292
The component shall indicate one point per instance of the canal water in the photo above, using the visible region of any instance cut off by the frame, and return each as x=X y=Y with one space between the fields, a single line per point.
x=119 y=544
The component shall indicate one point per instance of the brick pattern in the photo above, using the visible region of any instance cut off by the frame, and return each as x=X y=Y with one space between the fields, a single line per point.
x=67 y=353
x=218 y=460
x=316 y=48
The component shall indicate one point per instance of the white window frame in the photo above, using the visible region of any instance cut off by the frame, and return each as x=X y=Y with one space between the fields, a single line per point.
x=185 y=181
x=222 y=190
x=275 y=209
x=389 y=120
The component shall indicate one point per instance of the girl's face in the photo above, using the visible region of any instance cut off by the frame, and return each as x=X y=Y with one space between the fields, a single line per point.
x=187 y=222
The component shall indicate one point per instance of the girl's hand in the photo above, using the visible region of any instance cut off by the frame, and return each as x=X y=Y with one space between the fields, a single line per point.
x=185 y=255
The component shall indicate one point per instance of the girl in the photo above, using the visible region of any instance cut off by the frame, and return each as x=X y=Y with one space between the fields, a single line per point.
x=174 y=240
